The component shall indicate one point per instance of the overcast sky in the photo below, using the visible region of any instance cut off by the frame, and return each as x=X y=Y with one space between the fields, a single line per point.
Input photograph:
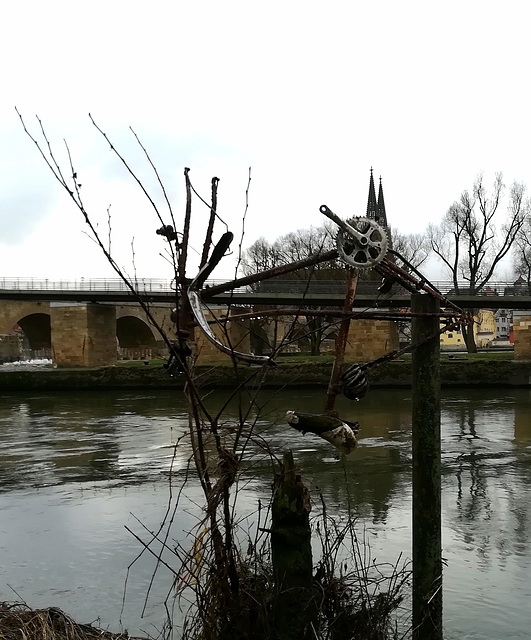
x=309 y=95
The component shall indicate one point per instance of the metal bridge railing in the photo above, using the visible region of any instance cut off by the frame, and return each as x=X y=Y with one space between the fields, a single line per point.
x=446 y=287
x=82 y=284
x=143 y=285
x=148 y=285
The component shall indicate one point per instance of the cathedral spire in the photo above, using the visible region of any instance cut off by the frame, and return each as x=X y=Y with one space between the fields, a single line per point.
x=372 y=205
x=381 y=216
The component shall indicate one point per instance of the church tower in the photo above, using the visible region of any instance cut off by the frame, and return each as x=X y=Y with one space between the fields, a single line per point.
x=372 y=205
x=376 y=208
x=381 y=217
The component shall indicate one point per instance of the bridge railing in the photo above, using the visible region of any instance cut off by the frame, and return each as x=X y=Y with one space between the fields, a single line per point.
x=370 y=287
x=148 y=285
x=82 y=284
x=143 y=285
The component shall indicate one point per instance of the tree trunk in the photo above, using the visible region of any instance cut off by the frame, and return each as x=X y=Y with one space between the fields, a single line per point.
x=314 y=326
x=468 y=335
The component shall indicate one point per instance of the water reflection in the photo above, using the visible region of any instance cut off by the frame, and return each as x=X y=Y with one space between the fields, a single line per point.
x=485 y=450
x=377 y=473
x=54 y=439
x=73 y=467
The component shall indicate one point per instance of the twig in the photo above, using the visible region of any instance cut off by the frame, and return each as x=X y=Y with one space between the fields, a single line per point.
x=210 y=227
x=181 y=262
x=131 y=172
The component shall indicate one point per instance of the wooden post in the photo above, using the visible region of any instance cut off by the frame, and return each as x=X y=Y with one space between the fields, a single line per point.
x=427 y=560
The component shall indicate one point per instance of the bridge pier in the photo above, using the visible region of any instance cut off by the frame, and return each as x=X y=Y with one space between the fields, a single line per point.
x=235 y=334
x=369 y=339
x=83 y=335
x=522 y=335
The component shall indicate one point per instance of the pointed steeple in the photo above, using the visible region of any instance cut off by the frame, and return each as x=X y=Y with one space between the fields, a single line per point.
x=372 y=205
x=381 y=217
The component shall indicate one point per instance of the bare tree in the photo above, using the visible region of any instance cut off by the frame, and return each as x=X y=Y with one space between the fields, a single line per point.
x=260 y=256
x=522 y=257
x=471 y=242
x=414 y=247
x=294 y=246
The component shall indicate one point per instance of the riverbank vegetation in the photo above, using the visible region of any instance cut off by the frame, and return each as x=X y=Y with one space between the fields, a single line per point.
x=19 y=622
x=328 y=358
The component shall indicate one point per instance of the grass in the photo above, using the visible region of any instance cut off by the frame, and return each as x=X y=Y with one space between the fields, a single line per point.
x=20 y=622
x=303 y=358
x=483 y=356
x=328 y=358
x=493 y=356
x=155 y=363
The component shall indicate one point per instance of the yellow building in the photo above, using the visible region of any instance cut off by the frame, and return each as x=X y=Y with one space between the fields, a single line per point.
x=484 y=332
x=453 y=339
x=484 y=327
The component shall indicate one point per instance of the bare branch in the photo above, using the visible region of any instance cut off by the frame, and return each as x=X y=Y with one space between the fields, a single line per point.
x=131 y=172
x=414 y=247
x=471 y=240
x=210 y=227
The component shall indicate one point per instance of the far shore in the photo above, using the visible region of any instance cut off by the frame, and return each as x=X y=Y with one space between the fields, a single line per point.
x=456 y=370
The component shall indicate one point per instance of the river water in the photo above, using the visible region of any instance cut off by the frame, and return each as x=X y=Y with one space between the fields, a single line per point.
x=77 y=469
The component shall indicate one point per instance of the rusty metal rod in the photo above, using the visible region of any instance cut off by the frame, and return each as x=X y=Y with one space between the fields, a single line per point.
x=341 y=342
x=413 y=284
x=338 y=313
x=269 y=273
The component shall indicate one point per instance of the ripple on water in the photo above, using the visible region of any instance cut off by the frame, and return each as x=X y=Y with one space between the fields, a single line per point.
x=75 y=467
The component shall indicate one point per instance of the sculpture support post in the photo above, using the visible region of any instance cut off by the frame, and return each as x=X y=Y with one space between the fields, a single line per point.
x=427 y=549
x=341 y=342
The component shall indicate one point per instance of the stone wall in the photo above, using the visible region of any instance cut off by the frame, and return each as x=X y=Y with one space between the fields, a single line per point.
x=370 y=339
x=522 y=335
x=83 y=335
x=13 y=311
x=233 y=334
x=10 y=348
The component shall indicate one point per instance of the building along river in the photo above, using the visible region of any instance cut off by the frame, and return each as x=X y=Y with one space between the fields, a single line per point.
x=77 y=468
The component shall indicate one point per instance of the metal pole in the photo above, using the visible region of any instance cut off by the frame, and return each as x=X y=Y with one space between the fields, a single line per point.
x=281 y=270
x=427 y=560
x=341 y=342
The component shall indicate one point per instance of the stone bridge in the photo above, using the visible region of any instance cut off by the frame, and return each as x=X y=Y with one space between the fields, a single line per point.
x=93 y=335
x=84 y=334
x=97 y=334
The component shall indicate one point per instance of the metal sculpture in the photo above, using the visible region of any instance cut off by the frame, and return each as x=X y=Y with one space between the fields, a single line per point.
x=362 y=244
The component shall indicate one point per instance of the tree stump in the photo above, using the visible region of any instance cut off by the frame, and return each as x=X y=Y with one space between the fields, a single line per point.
x=291 y=554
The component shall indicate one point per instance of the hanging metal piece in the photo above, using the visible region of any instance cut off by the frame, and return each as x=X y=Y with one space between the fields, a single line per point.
x=362 y=242
x=338 y=432
x=197 y=306
x=355 y=384
x=387 y=285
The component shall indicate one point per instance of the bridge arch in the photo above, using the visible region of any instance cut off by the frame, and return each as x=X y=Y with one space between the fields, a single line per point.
x=132 y=332
x=11 y=312
x=36 y=328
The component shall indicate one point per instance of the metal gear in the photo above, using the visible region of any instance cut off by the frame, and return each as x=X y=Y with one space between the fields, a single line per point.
x=366 y=250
